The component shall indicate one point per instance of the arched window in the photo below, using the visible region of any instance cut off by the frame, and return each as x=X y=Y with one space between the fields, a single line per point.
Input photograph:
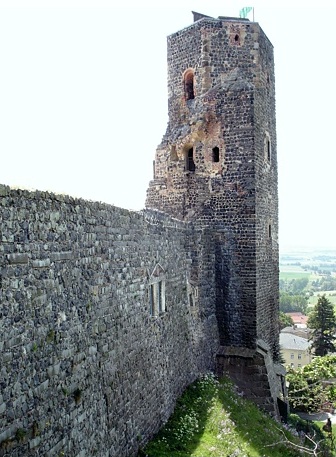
x=188 y=81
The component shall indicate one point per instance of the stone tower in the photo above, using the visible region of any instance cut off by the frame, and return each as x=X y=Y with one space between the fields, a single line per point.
x=217 y=167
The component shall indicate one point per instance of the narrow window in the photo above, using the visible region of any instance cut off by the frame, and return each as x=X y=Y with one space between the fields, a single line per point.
x=215 y=154
x=299 y=355
x=160 y=297
x=268 y=150
x=151 y=300
x=189 y=85
x=156 y=291
x=267 y=147
x=269 y=231
x=190 y=164
x=236 y=38
x=292 y=356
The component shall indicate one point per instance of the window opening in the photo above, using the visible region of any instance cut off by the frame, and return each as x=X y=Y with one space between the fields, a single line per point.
x=237 y=38
x=192 y=294
x=156 y=292
x=190 y=164
x=160 y=297
x=267 y=147
x=215 y=154
x=269 y=231
x=189 y=85
x=268 y=150
x=151 y=300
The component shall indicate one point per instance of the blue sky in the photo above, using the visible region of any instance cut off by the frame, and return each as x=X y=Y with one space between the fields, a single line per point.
x=83 y=101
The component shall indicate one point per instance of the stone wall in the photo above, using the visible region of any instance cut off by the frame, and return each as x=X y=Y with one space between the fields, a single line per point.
x=106 y=315
x=84 y=367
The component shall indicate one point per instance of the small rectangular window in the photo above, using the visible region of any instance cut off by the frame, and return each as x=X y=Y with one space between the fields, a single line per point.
x=151 y=300
x=292 y=356
x=156 y=297
x=299 y=355
x=215 y=154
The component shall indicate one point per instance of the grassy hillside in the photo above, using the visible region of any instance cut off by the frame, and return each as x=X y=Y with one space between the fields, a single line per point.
x=211 y=419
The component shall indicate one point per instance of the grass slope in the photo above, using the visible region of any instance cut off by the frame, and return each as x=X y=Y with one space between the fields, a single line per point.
x=212 y=420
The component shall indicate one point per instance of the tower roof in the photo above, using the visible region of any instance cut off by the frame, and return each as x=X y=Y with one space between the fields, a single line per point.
x=199 y=16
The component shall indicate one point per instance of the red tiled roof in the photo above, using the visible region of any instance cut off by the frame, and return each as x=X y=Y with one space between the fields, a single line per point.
x=298 y=318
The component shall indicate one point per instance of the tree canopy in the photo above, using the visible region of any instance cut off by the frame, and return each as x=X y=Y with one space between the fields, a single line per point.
x=285 y=320
x=322 y=321
x=293 y=303
x=312 y=387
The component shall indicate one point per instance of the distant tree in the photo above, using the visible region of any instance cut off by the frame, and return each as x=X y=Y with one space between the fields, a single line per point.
x=293 y=303
x=328 y=283
x=285 y=320
x=298 y=285
x=322 y=321
x=294 y=286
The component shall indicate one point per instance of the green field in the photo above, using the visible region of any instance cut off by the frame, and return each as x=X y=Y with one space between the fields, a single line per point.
x=288 y=275
x=288 y=272
x=330 y=295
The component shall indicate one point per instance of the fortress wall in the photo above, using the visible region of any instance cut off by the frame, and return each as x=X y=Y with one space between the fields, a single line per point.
x=84 y=368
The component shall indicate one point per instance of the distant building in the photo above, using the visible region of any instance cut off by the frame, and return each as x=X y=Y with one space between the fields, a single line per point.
x=299 y=319
x=298 y=331
x=295 y=350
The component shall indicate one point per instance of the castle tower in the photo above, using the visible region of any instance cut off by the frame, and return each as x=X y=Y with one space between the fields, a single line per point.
x=217 y=166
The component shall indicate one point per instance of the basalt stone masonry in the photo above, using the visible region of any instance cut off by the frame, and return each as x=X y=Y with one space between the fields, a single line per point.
x=106 y=314
x=87 y=367
x=217 y=166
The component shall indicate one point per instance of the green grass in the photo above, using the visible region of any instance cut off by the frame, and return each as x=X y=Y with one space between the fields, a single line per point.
x=212 y=420
x=330 y=295
x=288 y=275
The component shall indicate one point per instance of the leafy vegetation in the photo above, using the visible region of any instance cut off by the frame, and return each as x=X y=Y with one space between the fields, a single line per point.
x=293 y=303
x=322 y=321
x=312 y=388
x=284 y=320
x=212 y=419
x=324 y=283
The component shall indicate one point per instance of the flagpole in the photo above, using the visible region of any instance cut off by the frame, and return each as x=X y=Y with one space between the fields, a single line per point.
x=253 y=14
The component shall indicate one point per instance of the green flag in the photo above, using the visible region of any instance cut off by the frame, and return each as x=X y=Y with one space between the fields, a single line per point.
x=244 y=11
